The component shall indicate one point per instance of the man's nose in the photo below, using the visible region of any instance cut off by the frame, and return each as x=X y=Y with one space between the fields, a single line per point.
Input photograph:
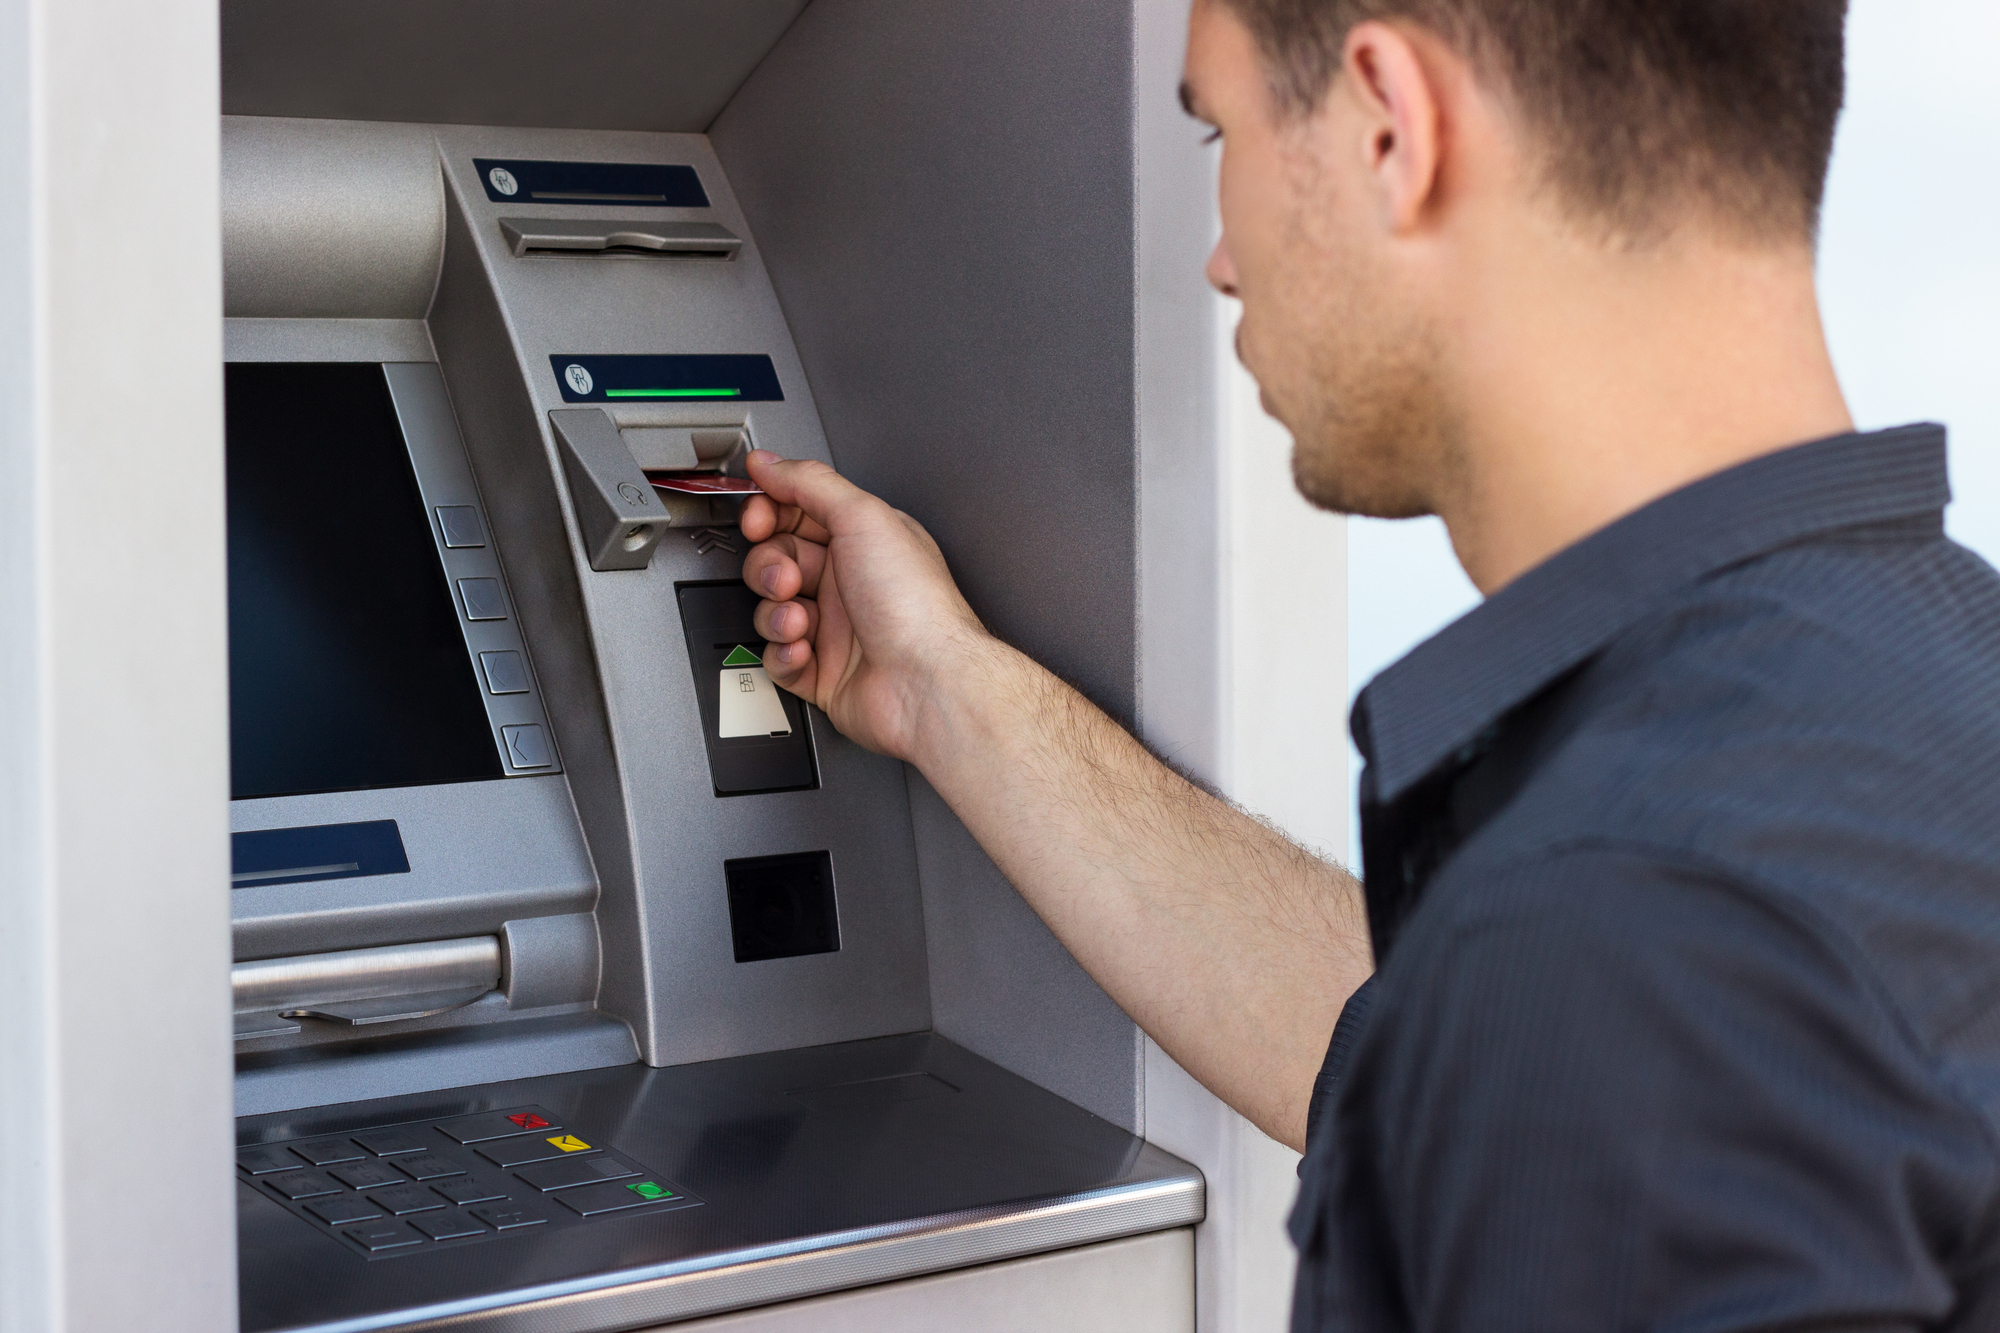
x=1222 y=269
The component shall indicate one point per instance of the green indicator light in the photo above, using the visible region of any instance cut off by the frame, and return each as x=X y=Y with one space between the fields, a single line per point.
x=741 y=656
x=646 y=1189
x=673 y=393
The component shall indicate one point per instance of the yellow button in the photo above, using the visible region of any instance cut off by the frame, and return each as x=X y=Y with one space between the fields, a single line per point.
x=570 y=1143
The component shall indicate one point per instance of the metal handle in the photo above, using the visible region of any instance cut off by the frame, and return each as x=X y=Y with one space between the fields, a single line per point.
x=673 y=240
x=366 y=974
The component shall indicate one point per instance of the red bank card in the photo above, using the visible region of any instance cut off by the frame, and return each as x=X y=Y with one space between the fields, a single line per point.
x=703 y=483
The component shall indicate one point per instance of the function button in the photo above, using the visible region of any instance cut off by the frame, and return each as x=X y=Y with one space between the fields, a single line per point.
x=389 y=1142
x=519 y=1152
x=505 y=1218
x=461 y=526
x=385 y=1236
x=430 y=1167
x=264 y=1161
x=612 y=1198
x=528 y=746
x=338 y=1212
x=501 y=1125
x=367 y=1175
x=506 y=672
x=405 y=1199
x=483 y=599
x=302 y=1185
x=468 y=1191
x=447 y=1226
x=328 y=1152
x=585 y=1171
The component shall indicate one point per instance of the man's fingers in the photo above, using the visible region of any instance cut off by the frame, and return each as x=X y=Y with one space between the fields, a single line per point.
x=762 y=517
x=792 y=666
x=785 y=567
x=821 y=496
x=788 y=622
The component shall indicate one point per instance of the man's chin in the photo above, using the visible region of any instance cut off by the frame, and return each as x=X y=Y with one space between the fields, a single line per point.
x=1353 y=491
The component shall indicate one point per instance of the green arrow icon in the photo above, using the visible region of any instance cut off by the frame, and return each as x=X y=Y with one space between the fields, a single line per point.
x=741 y=656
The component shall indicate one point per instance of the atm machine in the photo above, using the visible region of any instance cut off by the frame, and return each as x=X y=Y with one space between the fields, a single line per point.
x=583 y=980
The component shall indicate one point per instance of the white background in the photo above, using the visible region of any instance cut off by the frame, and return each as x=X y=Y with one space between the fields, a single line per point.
x=1909 y=278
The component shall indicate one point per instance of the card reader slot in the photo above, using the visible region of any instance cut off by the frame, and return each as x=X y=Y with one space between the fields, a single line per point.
x=586 y=236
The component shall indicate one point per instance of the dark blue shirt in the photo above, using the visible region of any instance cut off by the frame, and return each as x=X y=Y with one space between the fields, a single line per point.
x=1683 y=871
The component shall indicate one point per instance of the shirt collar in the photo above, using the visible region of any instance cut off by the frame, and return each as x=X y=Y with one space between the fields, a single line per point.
x=1446 y=692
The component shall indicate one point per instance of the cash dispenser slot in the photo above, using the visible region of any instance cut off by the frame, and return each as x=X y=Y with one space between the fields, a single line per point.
x=586 y=236
x=363 y=987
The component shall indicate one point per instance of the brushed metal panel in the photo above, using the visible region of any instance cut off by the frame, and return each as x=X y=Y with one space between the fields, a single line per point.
x=329 y=219
x=366 y=974
x=803 y=1194
x=601 y=64
x=481 y=854
x=980 y=374
x=1141 y=1285
x=609 y=644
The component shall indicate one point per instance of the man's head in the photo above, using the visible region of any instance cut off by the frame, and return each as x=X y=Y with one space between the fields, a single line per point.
x=1388 y=162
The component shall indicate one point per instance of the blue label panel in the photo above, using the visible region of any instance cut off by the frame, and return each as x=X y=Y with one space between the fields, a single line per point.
x=321 y=851
x=667 y=379
x=605 y=184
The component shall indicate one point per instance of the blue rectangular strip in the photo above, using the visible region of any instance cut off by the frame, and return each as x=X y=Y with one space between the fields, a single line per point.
x=321 y=851
x=594 y=184
x=735 y=378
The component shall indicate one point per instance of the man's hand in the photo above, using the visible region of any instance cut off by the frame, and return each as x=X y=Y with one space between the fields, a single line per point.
x=1230 y=946
x=859 y=612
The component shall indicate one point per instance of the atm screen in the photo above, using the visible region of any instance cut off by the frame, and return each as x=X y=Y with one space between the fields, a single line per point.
x=347 y=668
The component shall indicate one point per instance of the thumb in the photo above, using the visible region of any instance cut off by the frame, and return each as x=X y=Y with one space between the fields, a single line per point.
x=816 y=490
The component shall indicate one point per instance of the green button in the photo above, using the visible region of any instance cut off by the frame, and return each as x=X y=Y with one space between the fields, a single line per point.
x=646 y=1189
x=739 y=656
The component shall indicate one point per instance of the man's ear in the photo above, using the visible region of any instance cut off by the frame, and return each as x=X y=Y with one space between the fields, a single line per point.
x=1401 y=118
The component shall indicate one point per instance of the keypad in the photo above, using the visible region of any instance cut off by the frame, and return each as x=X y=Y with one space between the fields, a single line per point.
x=407 y=1199
x=482 y=1128
x=447 y=1226
x=505 y=1218
x=389 y=1142
x=469 y=1191
x=367 y=1175
x=265 y=1161
x=342 y=1209
x=429 y=1166
x=534 y=1148
x=384 y=1236
x=411 y=1188
x=594 y=1199
x=302 y=1185
x=586 y=1171
x=328 y=1152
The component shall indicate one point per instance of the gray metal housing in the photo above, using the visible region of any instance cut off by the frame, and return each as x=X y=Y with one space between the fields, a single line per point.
x=987 y=377
x=925 y=319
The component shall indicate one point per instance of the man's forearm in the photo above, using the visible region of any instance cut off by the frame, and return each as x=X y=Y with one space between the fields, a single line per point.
x=1233 y=947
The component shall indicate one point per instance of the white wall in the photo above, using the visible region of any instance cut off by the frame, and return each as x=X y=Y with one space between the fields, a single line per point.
x=1910 y=254
x=114 y=763
x=1909 y=276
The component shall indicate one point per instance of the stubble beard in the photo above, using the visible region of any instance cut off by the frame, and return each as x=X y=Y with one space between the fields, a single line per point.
x=1356 y=378
x=1374 y=440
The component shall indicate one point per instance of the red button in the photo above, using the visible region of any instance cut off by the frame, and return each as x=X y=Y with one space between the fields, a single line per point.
x=529 y=1120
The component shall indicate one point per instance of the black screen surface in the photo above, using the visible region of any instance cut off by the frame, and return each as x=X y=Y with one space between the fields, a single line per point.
x=347 y=669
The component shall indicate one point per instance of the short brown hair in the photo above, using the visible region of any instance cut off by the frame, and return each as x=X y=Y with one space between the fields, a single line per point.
x=1647 y=108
